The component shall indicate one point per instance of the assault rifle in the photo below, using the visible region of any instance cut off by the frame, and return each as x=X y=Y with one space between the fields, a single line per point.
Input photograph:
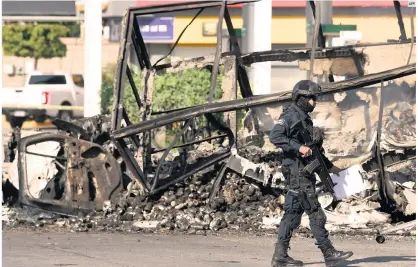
x=318 y=164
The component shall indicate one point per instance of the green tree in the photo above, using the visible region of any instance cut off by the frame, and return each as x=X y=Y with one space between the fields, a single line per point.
x=106 y=93
x=34 y=41
x=172 y=90
x=73 y=27
x=185 y=89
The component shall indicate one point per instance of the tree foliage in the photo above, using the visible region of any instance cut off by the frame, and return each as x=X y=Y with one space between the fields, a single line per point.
x=74 y=28
x=106 y=92
x=172 y=90
x=185 y=89
x=34 y=41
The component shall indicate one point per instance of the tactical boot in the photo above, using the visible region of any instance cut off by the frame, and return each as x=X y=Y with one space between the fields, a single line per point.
x=333 y=257
x=280 y=257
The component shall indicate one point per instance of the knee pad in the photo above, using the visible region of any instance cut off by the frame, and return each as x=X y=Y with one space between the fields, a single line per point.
x=292 y=220
x=318 y=218
x=296 y=220
x=308 y=201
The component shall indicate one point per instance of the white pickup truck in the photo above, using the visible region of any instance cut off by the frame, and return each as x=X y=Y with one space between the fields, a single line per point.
x=41 y=97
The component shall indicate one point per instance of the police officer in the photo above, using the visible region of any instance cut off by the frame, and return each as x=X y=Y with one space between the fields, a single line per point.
x=301 y=195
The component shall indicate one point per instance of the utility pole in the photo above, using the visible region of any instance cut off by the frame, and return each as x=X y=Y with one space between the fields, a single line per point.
x=92 y=57
x=258 y=16
x=326 y=18
x=309 y=24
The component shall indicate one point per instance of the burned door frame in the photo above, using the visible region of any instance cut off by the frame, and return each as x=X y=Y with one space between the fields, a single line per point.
x=91 y=175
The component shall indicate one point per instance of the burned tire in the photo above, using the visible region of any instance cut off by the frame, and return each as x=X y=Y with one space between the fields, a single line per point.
x=17 y=121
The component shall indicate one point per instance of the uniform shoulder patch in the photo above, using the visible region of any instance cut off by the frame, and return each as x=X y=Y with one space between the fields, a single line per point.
x=281 y=122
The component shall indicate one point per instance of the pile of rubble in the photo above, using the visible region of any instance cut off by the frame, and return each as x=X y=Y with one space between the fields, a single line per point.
x=184 y=207
x=240 y=205
x=352 y=118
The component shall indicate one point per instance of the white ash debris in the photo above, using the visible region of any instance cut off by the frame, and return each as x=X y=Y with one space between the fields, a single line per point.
x=404 y=198
x=337 y=222
x=264 y=165
x=271 y=222
x=350 y=120
x=398 y=127
x=401 y=186
x=203 y=150
x=325 y=199
x=404 y=173
x=241 y=205
x=361 y=212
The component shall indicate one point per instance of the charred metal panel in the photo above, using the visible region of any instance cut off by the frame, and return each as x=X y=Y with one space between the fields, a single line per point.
x=91 y=176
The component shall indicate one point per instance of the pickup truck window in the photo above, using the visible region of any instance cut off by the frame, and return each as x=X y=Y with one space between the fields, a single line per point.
x=78 y=80
x=47 y=79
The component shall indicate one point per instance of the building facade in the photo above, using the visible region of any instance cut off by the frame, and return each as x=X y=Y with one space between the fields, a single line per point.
x=375 y=20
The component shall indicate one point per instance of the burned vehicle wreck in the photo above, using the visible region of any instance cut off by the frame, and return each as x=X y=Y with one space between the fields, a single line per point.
x=96 y=160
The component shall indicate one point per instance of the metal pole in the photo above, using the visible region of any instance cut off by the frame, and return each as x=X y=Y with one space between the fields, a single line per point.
x=412 y=34
x=256 y=14
x=320 y=38
x=248 y=25
x=92 y=57
x=400 y=20
x=382 y=180
x=309 y=30
x=309 y=24
x=315 y=38
x=326 y=18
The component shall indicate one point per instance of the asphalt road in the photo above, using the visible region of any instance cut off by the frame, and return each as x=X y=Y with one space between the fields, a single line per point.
x=110 y=250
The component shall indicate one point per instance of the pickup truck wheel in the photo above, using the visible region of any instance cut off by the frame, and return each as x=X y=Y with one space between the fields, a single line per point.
x=17 y=121
x=65 y=115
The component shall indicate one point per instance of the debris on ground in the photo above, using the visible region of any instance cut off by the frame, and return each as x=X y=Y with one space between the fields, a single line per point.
x=241 y=205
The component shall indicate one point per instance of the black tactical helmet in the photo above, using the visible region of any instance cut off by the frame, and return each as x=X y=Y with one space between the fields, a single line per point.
x=305 y=88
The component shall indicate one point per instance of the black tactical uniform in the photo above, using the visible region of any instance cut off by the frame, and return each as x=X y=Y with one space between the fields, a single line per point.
x=301 y=195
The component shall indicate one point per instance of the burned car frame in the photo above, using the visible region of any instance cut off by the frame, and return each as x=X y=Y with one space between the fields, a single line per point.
x=129 y=149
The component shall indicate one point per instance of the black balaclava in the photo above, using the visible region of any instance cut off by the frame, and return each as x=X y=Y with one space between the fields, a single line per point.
x=302 y=103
